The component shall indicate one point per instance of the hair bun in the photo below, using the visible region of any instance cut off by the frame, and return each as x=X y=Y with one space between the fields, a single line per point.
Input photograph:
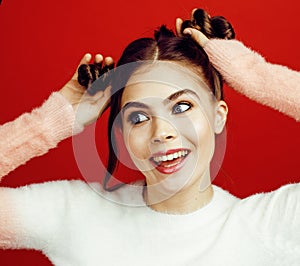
x=222 y=28
x=215 y=27
x=88 y=73
x=163 y=32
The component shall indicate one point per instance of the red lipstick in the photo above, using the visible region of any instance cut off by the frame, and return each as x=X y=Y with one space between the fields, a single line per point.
x=170 y=161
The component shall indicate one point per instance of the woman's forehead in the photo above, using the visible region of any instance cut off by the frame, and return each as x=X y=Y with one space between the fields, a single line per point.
x=160 y=80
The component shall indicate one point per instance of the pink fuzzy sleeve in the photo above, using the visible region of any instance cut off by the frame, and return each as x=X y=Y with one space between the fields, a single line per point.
x=247 y=72
x=33 y=134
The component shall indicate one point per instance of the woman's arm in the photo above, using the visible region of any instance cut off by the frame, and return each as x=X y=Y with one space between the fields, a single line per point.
x=275 y=218
x=33 y=134
x=65 y=113
x=247 y=72
x=36 y=216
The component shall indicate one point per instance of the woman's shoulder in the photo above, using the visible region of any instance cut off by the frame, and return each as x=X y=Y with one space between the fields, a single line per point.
x=283 y=196
x=80 y=191
x=273 y=211
x=128 y=195
x=282 y=204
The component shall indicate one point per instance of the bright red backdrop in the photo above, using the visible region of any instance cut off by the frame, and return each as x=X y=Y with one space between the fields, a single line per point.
x=42 y=42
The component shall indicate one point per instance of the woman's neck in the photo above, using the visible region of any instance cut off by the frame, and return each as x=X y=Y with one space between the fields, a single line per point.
x=184 y=201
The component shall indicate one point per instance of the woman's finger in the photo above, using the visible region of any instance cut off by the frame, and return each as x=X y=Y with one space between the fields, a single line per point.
x=108 y=61
x=197 y=36
x=84 y=60
x=192 y=14
x=98 y=60
x=108 y=64
x=178 y=25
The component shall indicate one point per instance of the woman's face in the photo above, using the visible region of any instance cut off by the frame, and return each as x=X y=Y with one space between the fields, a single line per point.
x=169 y=122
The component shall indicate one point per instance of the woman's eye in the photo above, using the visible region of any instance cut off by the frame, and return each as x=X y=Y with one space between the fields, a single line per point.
x=181 y=107
x=137 y=118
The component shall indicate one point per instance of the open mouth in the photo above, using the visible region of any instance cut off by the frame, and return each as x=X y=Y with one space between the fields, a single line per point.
x=169 y=162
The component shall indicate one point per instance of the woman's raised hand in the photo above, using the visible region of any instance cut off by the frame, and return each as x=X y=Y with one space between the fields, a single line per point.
x=201 y=27
x=193 y=26
x=88 y=102
x=197 y=35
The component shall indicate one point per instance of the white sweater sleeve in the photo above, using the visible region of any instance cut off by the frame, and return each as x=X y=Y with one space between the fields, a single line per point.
x=31 y=216
x=276 y=216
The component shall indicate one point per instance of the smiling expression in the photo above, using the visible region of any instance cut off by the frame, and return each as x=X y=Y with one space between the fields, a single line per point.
x=168 y=117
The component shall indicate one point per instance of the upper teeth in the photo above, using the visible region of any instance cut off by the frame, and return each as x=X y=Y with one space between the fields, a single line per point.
x=170 y=157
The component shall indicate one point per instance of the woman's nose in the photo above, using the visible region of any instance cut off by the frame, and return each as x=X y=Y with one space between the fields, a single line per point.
x=163 y=130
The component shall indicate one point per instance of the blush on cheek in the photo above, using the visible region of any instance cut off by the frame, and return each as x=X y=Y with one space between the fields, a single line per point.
x=8 y=222
x=138 y=148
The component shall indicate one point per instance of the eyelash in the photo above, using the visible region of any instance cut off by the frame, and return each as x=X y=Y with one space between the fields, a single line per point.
x=182 y=103
x=135 y=115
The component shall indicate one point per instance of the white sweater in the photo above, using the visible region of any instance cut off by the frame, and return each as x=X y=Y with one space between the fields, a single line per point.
x=75 y=224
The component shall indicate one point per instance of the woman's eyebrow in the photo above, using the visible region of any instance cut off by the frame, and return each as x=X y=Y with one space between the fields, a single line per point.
x=134 y=104
x=172 y=97
x=177 y=94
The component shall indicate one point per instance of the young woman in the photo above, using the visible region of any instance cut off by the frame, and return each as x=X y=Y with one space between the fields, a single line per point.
x=169 y=112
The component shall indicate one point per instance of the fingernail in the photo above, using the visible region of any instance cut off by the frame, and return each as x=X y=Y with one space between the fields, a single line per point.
x=88 y=56
x=187 y=31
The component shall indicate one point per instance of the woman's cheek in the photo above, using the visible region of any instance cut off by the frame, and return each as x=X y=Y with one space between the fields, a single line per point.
x=206 y=139
x=139 y=149
x=138 y=144
x=201 y=134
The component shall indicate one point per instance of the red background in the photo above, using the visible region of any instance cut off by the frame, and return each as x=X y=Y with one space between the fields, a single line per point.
x=42 y=42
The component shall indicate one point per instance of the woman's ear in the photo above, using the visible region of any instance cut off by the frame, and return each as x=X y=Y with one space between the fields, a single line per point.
x=220 y=116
